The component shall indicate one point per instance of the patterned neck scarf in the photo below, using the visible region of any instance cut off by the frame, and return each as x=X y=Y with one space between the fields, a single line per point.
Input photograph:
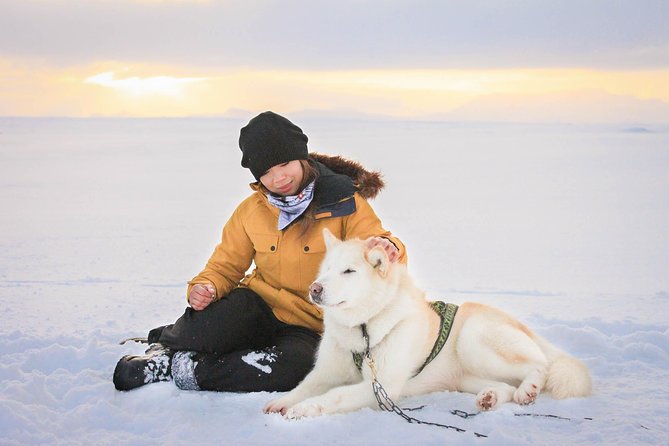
x=292 y=206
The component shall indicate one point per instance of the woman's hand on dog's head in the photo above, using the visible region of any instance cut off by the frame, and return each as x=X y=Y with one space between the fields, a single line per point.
x=388 y=246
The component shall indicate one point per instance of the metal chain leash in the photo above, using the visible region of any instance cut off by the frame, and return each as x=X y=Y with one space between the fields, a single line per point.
x=463 y=414
x=388 y=405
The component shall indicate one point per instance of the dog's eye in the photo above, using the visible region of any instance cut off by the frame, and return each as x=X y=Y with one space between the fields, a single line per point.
x=349 y=271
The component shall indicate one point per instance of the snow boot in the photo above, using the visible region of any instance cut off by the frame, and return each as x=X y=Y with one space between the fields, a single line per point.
x=135 y=371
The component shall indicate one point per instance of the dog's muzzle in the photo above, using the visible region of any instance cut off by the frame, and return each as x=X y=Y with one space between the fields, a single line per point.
x=316 y=292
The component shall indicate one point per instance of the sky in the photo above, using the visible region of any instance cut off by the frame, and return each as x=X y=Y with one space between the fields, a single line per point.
x=511 y=60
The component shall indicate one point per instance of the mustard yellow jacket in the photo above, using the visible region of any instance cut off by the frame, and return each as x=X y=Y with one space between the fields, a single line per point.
x=287 y=261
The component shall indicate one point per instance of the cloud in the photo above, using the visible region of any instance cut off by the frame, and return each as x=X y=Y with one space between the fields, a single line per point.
x=347 y=34
x=156 y=85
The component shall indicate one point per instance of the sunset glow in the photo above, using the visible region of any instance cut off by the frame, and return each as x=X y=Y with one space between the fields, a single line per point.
x=113 y=88
x=215 y=58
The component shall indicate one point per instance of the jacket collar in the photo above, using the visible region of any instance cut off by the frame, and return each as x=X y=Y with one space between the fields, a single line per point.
x=367 y=183
x=330 y=187
x=339 y=178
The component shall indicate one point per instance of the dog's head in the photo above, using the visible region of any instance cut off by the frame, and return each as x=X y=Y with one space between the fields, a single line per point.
x=351 y=275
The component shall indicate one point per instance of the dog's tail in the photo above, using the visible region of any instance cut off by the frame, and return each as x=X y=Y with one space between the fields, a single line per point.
x=567 y=377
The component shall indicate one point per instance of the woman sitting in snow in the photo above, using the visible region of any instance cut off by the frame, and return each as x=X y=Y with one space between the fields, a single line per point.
x=260 y=332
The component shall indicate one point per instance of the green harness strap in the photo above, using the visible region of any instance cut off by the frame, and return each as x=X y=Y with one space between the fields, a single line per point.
x=447 y=313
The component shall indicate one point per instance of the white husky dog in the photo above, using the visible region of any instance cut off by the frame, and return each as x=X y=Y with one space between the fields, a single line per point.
x=487 y=352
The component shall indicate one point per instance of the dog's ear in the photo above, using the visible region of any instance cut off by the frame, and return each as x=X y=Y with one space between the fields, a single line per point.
x=329 y=238
x=378 y=258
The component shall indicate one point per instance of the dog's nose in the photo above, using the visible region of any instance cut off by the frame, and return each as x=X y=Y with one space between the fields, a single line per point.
x=315 y=291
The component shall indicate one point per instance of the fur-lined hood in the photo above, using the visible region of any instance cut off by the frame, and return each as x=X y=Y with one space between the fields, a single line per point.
x=368 y=183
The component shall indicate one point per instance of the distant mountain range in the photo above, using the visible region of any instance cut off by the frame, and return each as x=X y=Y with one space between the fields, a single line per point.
x=578 y=107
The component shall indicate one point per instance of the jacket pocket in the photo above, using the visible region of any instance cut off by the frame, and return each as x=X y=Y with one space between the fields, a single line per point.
x=266 y=247
x=315 y=245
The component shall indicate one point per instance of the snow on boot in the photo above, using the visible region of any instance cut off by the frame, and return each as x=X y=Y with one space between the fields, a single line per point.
x=183 y=371
x=135 y=371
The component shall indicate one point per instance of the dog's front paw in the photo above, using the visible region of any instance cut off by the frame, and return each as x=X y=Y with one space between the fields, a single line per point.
x=278 y=405
x=304 y=410
x=486 y=400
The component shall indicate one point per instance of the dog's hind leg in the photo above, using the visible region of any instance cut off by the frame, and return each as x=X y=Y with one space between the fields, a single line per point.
x=488 y=393
x=494 y=346
x=531 y=386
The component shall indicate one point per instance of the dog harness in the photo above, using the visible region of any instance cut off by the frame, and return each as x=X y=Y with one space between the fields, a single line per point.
x=445 y=311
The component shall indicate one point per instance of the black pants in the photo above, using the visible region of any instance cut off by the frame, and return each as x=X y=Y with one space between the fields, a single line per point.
x=240 y=346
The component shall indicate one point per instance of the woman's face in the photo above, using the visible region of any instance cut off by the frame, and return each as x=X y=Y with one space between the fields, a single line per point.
x=284 y=179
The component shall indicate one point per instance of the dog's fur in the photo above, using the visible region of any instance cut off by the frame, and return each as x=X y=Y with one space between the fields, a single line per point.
x=488 y=353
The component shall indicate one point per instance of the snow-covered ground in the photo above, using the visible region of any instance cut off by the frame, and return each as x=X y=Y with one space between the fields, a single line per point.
x=103 y=222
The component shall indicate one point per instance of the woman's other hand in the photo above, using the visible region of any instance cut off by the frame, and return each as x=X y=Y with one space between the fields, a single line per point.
x=201 y=295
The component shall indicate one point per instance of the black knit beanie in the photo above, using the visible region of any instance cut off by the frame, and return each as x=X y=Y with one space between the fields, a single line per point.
x=270 y=139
